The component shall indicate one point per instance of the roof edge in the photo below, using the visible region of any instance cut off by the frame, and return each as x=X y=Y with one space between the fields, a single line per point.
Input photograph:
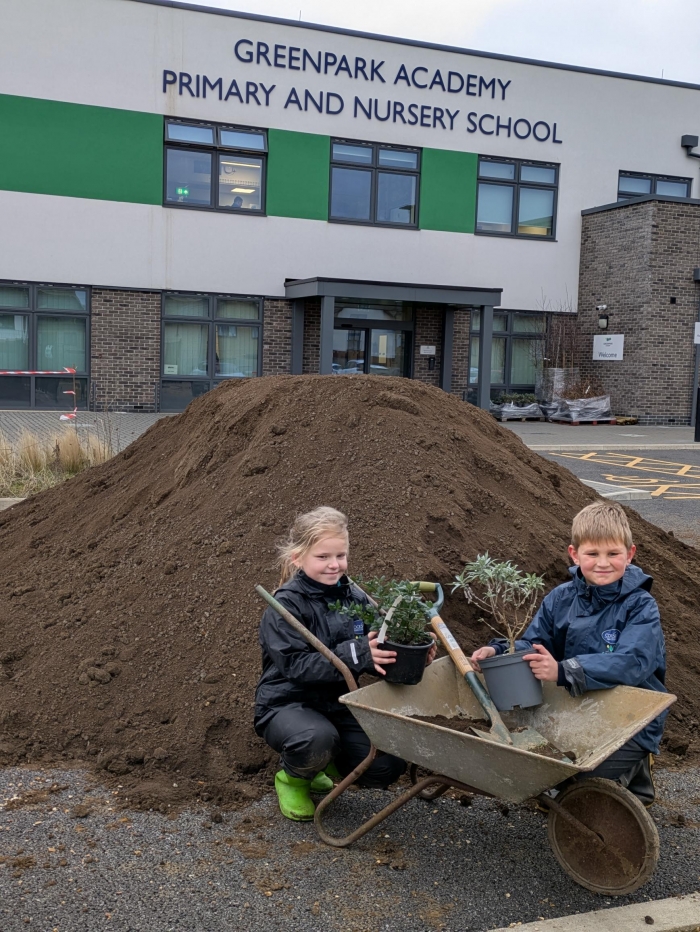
x=632 y=201
x=415 y=43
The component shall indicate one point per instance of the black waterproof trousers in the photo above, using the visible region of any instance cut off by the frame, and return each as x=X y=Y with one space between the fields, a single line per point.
x=630 y=766
x=308 y=741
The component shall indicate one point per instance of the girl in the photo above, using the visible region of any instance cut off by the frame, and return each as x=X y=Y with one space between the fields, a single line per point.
x=296 y=701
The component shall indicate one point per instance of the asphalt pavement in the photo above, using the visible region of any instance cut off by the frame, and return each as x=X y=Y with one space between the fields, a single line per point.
x=72 y=861
x=671 y=476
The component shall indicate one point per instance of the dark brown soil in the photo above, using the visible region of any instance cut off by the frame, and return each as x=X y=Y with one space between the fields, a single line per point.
x=128 y=621
x=466 y=726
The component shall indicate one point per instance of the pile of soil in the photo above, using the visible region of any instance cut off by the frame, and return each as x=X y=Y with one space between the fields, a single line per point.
x=128 y=620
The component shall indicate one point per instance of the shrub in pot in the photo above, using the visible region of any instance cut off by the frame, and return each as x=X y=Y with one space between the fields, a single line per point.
x=510 y=597
x=403 y=614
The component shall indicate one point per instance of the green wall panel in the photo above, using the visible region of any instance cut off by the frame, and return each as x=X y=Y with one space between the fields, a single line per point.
x=74 y=150
x=448 y=190
x=298 y=174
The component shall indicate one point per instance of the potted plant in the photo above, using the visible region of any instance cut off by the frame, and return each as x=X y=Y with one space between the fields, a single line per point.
x=401 y=617
x=510 y=597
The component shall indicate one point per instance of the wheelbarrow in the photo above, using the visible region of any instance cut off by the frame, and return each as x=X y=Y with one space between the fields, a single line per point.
x=599 y=832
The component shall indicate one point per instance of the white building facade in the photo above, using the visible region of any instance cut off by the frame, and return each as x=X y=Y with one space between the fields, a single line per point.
x=191 y=195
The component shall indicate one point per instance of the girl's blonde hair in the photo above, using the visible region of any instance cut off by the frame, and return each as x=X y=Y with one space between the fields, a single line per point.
x=308 y=530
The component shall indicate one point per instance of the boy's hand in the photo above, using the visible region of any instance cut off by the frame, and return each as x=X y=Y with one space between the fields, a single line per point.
x=542 y=664
x=433 y=650
x=379 y=655
x=483 y=653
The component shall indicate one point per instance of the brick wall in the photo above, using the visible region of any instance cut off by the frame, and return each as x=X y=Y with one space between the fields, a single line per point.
x=125 y=348
x=312 y=337
x=460 y=352
x=277 y=337
x=428 y=331
x=635 y=258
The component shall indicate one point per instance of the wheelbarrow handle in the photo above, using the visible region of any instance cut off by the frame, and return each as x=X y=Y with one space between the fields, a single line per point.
x=460 y=660
x=311 y=638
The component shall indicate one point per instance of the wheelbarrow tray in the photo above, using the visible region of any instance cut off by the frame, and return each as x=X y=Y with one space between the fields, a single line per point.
x=592 y=726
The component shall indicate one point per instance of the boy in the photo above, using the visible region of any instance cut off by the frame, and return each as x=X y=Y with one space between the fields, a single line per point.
x=601 y=630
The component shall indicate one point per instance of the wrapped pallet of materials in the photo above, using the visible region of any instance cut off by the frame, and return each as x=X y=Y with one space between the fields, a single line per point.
x=510 y=411
x=553 y=383
x=582 y=409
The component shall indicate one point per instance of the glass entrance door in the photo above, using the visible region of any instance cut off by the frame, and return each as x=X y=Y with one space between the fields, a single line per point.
x=388 y=354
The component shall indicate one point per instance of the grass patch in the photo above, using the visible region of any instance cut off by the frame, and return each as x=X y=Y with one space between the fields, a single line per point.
x=34 y=464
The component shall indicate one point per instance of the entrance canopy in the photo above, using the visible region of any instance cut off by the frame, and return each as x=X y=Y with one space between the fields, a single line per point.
x=451 y=297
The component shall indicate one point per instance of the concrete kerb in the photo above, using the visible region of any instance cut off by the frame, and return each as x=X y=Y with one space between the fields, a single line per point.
x=676 y=914
x=616 y=492
x=9 y=502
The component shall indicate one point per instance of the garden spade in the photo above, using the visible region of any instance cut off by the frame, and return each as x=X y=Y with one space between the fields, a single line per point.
x=526 y=739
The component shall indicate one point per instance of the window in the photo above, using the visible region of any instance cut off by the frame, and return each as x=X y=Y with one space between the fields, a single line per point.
x=371 y=183
x=632 y=185
x=214 y=167
x=43 y=328
x=513 y=354
x=206 y=339
x=516 y=198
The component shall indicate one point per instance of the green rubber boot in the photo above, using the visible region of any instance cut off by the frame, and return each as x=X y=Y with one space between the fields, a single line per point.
x=293 y=796
x=323 y=781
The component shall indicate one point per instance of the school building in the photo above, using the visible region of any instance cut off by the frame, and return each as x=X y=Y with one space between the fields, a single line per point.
x=191 y=195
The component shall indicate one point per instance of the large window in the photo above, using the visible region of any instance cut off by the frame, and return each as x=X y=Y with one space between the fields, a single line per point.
x=43 y=328
x=215 y=167
x=517 y=198
x=632 y=184
x=206 y=339
x=371 y=183
x=513 y=351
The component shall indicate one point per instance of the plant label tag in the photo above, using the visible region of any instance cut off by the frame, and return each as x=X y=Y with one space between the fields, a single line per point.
x=447 y=635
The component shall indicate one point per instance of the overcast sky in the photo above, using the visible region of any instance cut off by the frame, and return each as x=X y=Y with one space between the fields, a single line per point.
x=637 y=36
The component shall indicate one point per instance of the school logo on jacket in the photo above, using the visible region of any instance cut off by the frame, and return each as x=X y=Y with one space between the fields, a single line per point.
x=611 y=637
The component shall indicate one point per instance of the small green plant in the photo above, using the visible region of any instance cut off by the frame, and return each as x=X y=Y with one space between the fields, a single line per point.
x=501 y=589
x=400 y=604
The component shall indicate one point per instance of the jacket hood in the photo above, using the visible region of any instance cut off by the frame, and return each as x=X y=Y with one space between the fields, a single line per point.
x=634 y=578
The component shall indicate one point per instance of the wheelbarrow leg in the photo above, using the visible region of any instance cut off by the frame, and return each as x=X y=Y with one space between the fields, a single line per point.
x=367 y=826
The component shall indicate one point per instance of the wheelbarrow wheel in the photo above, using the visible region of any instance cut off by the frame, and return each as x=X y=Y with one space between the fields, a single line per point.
x=628 y=851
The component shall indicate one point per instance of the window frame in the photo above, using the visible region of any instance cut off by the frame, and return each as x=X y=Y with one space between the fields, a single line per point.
x=374 y=168
x=517 y=184
x=654 y=178
x=509 y=333
x=33 y=313
x=211 y=321
x=214 y=150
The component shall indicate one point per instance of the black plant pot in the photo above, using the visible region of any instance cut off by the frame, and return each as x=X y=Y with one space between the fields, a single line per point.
x=511 y=682
x=409 y=664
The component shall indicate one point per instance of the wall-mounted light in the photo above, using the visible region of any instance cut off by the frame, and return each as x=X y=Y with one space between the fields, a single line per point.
x=602 y=317
x=689 y=143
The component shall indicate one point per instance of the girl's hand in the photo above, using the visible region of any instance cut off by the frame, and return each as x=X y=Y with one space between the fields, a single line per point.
x=542 y=664
x=483 y=653
x=379 y=655
x=433 y=650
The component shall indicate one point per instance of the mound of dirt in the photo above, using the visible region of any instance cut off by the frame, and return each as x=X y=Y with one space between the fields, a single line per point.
x=128 y=620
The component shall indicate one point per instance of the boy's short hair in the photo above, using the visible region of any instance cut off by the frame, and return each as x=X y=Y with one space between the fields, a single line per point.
x=599 y=522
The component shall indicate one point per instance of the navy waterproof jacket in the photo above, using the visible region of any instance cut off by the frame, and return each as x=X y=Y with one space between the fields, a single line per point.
x=604 y=636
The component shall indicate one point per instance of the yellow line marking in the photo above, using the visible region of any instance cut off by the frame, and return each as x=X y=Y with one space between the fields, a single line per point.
x=683 y=470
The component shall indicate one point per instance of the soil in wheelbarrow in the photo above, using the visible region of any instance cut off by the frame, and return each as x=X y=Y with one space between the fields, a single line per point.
x=128 y=621
x=466 y=726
